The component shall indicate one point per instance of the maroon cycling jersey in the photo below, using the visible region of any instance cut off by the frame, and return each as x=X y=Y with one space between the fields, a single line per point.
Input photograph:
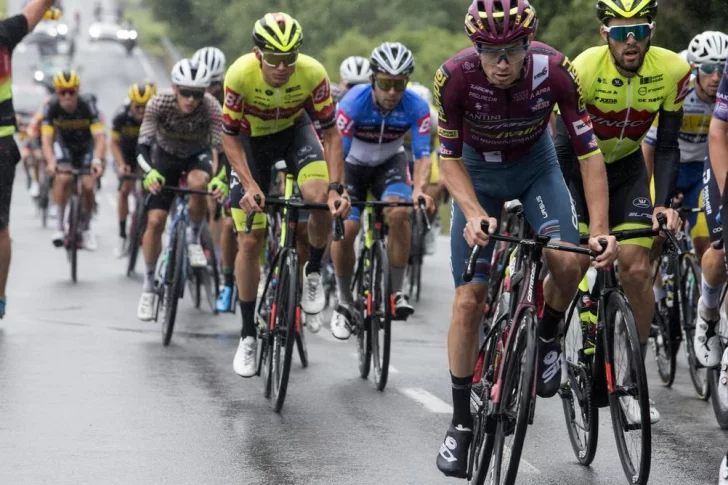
x=721 y=101
x=502 y=124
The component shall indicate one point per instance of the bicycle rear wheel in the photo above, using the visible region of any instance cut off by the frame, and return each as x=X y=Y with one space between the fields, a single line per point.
x=363 y=329
x=172 y=284
x=138 y=224
x=284 y=332
x=301 y=339
x=211 y=279
x=689 y=295
x=662 y=341
x=381 y=306
x=74 y=235
x=628 y=390
x=580 y=411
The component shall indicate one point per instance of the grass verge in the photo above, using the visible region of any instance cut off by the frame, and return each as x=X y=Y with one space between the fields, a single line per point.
x=150 y=30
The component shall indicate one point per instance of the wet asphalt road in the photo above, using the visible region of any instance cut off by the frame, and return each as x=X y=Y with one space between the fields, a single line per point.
x=88 y=394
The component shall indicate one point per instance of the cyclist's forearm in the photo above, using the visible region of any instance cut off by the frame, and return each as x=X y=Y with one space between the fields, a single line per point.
x=100 y=146
x=236 y=157
x=423 y=169
x=47 y=147
x=596 y=189
x=117 y=153
x=215 y=160
x=648 y=152
x=34 y=11
x=458 y=183
x=718 y=148
x=334 y=154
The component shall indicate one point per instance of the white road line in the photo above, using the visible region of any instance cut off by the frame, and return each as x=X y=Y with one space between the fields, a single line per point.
x=145 y=64
x=429 y=401
x=392 y=370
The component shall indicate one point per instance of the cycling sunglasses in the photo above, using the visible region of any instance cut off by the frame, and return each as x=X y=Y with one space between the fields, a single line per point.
x=67 y=92
x=274 y=59
x=191 y=93
x=709 y=69
x=386 y=85
x=621 y=33
x=493 y=55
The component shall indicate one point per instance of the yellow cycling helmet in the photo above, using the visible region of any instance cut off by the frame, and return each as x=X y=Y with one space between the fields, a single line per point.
x=140 y=94
x=625 y=9
x=68 y=79
x=277 y=32
x=52 y=13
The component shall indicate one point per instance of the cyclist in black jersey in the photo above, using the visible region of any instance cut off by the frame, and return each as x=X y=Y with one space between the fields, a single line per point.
x=124 y=136
x=73 y=135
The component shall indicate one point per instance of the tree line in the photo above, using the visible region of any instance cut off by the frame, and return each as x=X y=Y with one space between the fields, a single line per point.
x=432 y=29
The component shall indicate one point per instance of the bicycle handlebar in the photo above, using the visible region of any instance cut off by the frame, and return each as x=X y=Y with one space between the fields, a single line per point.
x=184 y=190
x=539 y=241
x=299 y=204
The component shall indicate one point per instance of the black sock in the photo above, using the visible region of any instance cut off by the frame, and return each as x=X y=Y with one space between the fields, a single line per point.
x=122 y=229
x=247 y=311
x=461 y=401
x=228 y=276
x=548 y=327
x=315 y=255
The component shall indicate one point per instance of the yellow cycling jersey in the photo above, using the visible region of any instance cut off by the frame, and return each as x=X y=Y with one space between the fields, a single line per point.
x=622 y=109
x=258 y=109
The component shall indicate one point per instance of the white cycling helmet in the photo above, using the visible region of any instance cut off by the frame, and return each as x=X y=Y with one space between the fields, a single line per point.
x=191 y=74
x=355 y=70
x=422 y=92
x=710 y=47
x=392 y=58
x=215 y=61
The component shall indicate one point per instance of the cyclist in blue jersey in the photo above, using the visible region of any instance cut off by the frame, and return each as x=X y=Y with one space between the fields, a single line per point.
x=374 y=118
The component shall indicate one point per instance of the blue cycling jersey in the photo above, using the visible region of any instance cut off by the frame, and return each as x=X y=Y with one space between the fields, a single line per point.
x=372 y=137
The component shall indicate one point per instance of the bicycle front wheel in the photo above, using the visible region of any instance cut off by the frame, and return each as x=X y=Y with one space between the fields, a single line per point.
x=580 y=411
x=285 y=325
x=301 y=339
x=74 y=235
x=662 y=345
x=173 y=284
x=629 y=400
x=381 y=306
x=689 y=295
x=362 y=330
x=138 y=224
x=517 y=397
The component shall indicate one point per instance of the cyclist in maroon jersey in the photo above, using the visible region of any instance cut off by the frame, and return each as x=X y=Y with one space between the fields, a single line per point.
x=494 y=102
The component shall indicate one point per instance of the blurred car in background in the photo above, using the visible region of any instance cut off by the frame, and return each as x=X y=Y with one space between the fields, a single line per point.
x=108 y=29
x=27 y=99
x=49 y=67
x=51 y=36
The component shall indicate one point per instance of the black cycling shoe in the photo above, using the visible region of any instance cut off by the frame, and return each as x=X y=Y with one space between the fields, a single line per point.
x=452 y=460
x=548 y=378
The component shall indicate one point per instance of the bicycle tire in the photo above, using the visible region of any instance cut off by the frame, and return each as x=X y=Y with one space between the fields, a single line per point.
x=481 y=449
x=662 y=346
x=380 y=317
x=578 y=390
x=363 y=330
x=73 y=236
x=718 y=400
x=301 y=340
x=196 y=286
x=44 y=201
x=138 y=225
x=522 y=347
x=284 y=334
x=173 y=281
x=212 y=276
x=616 y=303
x=689 y=294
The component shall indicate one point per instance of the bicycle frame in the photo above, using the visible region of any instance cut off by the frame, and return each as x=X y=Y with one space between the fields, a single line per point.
x=180 y=217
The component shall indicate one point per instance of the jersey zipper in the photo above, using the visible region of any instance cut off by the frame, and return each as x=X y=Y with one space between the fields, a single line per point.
x=626 y=119
x=278 y=109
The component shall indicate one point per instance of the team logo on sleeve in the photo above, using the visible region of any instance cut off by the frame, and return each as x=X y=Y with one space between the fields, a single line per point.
x=344 y=123
x=582 y=125
x=683 y=87
x=322 y=91
x=441 y=77
x=423 y=125
x=233 y=100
